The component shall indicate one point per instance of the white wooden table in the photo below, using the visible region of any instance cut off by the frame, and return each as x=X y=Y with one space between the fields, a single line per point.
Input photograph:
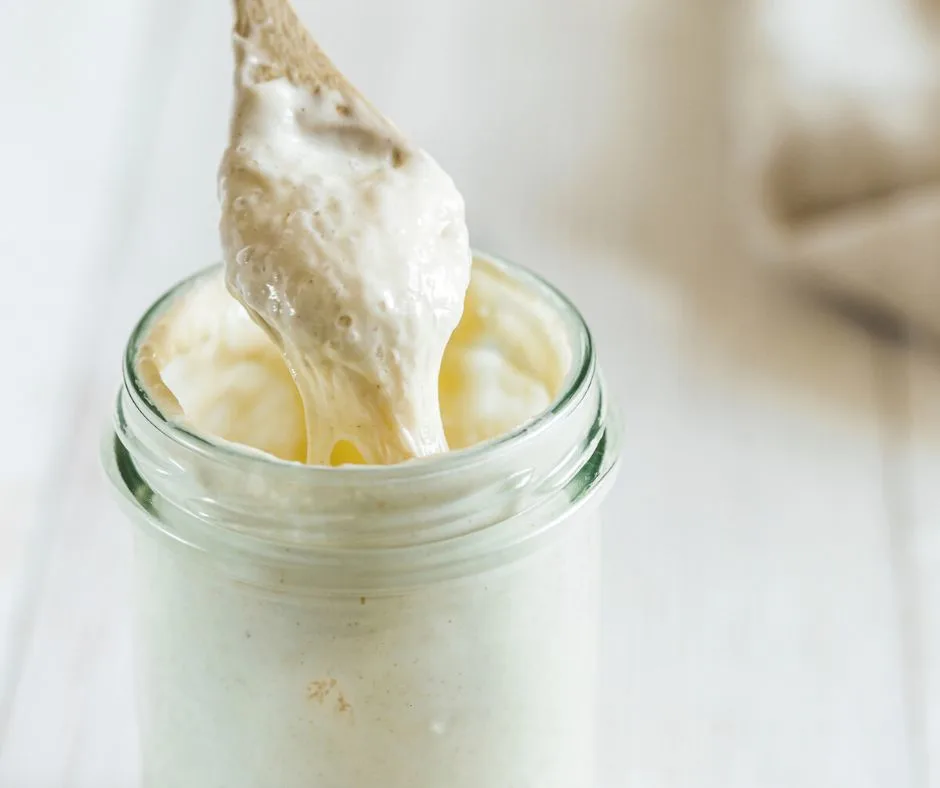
x=773 y=572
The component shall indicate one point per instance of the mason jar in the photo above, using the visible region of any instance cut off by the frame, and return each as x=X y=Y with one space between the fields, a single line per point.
x=431 y=624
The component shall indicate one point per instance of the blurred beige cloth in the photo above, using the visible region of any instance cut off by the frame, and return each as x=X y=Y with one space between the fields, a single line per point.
x=837 y=146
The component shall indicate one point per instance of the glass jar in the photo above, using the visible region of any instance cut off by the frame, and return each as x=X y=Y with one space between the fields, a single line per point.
x=425 y=625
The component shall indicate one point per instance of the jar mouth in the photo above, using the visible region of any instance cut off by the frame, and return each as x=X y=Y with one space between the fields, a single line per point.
x=271 y=521
x=574 y=387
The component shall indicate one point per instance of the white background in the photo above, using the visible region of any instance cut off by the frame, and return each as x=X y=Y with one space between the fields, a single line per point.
x=772 y=596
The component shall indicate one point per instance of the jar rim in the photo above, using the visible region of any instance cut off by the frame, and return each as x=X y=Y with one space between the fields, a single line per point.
x=574 y=387
x=268 y=522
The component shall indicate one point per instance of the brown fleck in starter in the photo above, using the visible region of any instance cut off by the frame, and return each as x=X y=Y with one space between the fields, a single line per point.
x=318 y=690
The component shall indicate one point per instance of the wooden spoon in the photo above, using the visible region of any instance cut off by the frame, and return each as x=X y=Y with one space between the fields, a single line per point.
x=271 y=29
x=343 y=374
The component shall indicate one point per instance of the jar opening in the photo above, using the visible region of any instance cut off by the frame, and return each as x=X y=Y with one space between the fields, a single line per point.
x=577 y=378
x=478 y=500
